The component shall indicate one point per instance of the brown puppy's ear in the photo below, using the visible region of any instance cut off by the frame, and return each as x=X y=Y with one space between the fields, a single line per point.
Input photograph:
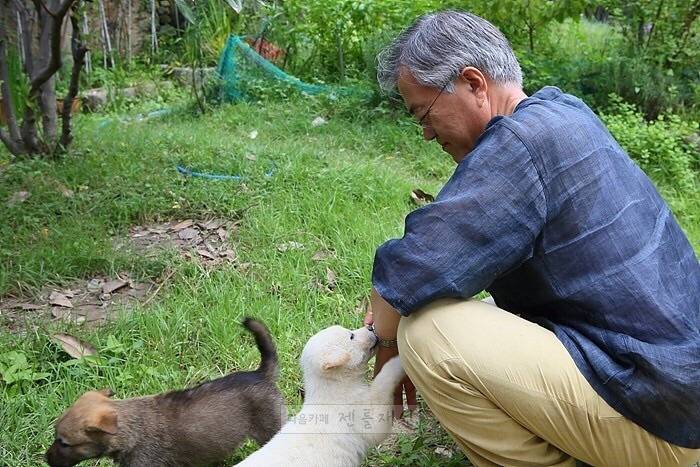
x=103 y=421
x=107 y=392
x=335 y=359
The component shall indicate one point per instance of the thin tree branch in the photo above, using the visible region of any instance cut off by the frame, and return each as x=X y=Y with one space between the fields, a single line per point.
x=54 y=62
x=690 y=18
x=7 y=101
x=78 y=50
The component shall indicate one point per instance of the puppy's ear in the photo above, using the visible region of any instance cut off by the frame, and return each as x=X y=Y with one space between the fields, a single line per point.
x=107 y=392
x=103 y=421
x=335 y=359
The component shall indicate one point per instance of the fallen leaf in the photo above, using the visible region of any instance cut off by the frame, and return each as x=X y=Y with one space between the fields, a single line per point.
x=182 y=225
x=205 y=253
x=320 y=255
x=95 y=314
x=331 y=279
x=251 y=157
x=18 y=197
x=210 y=224
x=60 y=313
x=72 y=346
x=137 y=292
x=188 y=234
x=289 y=246
x=69 y=293
x=318 y=121
x=223 y=234
x=112 y=286
x=58 y=299
x=228 y=253
x=30 y=306
x=253 y=134
x=421 y=198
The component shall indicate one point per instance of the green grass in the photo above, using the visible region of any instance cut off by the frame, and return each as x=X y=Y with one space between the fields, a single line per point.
x=342 y=186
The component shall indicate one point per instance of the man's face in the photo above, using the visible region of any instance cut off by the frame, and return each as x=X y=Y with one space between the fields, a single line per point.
x=456 y=119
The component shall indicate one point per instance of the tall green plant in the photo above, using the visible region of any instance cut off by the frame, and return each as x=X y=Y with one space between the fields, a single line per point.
x=331 y=37
x=19 y=86
x=659 y=67
x=210 y=23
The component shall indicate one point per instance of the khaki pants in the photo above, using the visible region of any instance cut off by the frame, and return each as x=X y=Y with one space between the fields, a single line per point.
x=509 y=394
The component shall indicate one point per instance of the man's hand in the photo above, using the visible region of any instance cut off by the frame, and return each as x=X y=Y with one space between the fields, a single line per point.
x=386 y=329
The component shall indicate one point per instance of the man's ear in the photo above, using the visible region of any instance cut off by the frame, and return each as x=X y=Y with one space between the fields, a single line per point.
x=104 y=421
x=475 y=80
x=335 y=359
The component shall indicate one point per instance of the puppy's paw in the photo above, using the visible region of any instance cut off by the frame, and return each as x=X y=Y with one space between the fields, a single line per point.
x=393 y=368
x=391 y=373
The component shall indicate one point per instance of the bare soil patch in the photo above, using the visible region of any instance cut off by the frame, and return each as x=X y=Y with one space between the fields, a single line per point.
x=93 y=302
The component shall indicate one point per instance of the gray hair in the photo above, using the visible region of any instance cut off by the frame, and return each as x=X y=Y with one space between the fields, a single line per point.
x=438 y=46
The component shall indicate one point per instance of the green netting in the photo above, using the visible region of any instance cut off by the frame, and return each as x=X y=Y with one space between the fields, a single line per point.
x=243 y=72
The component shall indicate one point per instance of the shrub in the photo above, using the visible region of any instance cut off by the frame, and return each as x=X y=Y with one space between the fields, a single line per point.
x=662 y=148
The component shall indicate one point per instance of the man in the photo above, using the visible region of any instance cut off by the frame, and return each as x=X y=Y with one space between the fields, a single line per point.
x=592 y=351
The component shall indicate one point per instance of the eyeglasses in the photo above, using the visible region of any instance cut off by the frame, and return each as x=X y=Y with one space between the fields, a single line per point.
x=422 y=119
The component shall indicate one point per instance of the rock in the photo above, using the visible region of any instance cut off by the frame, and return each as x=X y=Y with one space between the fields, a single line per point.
x=146 y=89
x=129 y=93
x=183 y=75
x=95 y=99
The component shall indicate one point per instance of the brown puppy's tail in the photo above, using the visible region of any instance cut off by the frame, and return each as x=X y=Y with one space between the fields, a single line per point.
x=266 y=346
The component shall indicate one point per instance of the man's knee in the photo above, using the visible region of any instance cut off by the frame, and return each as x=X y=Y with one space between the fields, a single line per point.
x=425 y=337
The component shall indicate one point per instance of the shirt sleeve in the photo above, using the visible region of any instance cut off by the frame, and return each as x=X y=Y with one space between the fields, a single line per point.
x=483 y=223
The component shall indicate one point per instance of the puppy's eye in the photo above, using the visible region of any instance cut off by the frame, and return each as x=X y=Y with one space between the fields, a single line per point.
x=62 y=443
x=352 y=336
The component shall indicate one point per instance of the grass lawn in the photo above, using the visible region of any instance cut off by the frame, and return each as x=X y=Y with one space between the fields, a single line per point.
x=343 y=187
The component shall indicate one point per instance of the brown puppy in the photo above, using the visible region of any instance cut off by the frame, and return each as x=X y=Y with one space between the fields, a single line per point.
x=194 y=427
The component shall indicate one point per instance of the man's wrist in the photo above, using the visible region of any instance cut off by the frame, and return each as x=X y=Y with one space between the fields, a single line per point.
x=387 y=343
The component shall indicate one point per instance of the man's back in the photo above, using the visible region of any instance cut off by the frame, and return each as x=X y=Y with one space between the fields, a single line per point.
x=611 y=272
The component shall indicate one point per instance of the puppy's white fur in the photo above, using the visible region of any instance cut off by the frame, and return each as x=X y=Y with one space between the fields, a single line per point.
x=342 y=416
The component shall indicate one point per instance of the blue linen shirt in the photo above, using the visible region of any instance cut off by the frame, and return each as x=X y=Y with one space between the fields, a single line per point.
x=551 y=216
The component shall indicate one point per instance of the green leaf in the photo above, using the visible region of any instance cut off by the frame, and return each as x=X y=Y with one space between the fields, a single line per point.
x=237 y=5
x=185 y=10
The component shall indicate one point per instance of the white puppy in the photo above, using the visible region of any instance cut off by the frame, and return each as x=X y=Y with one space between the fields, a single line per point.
x=342 y=416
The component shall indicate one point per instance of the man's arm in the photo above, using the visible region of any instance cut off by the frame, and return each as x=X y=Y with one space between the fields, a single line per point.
x=385 y=320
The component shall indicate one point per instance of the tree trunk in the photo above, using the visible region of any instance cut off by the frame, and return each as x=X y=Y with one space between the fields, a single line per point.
x=24 y=138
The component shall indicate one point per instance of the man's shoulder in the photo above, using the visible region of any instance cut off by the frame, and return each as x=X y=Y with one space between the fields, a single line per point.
x=554 y=122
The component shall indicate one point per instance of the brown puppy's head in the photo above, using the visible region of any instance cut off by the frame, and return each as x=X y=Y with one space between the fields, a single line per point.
x=86 y=430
